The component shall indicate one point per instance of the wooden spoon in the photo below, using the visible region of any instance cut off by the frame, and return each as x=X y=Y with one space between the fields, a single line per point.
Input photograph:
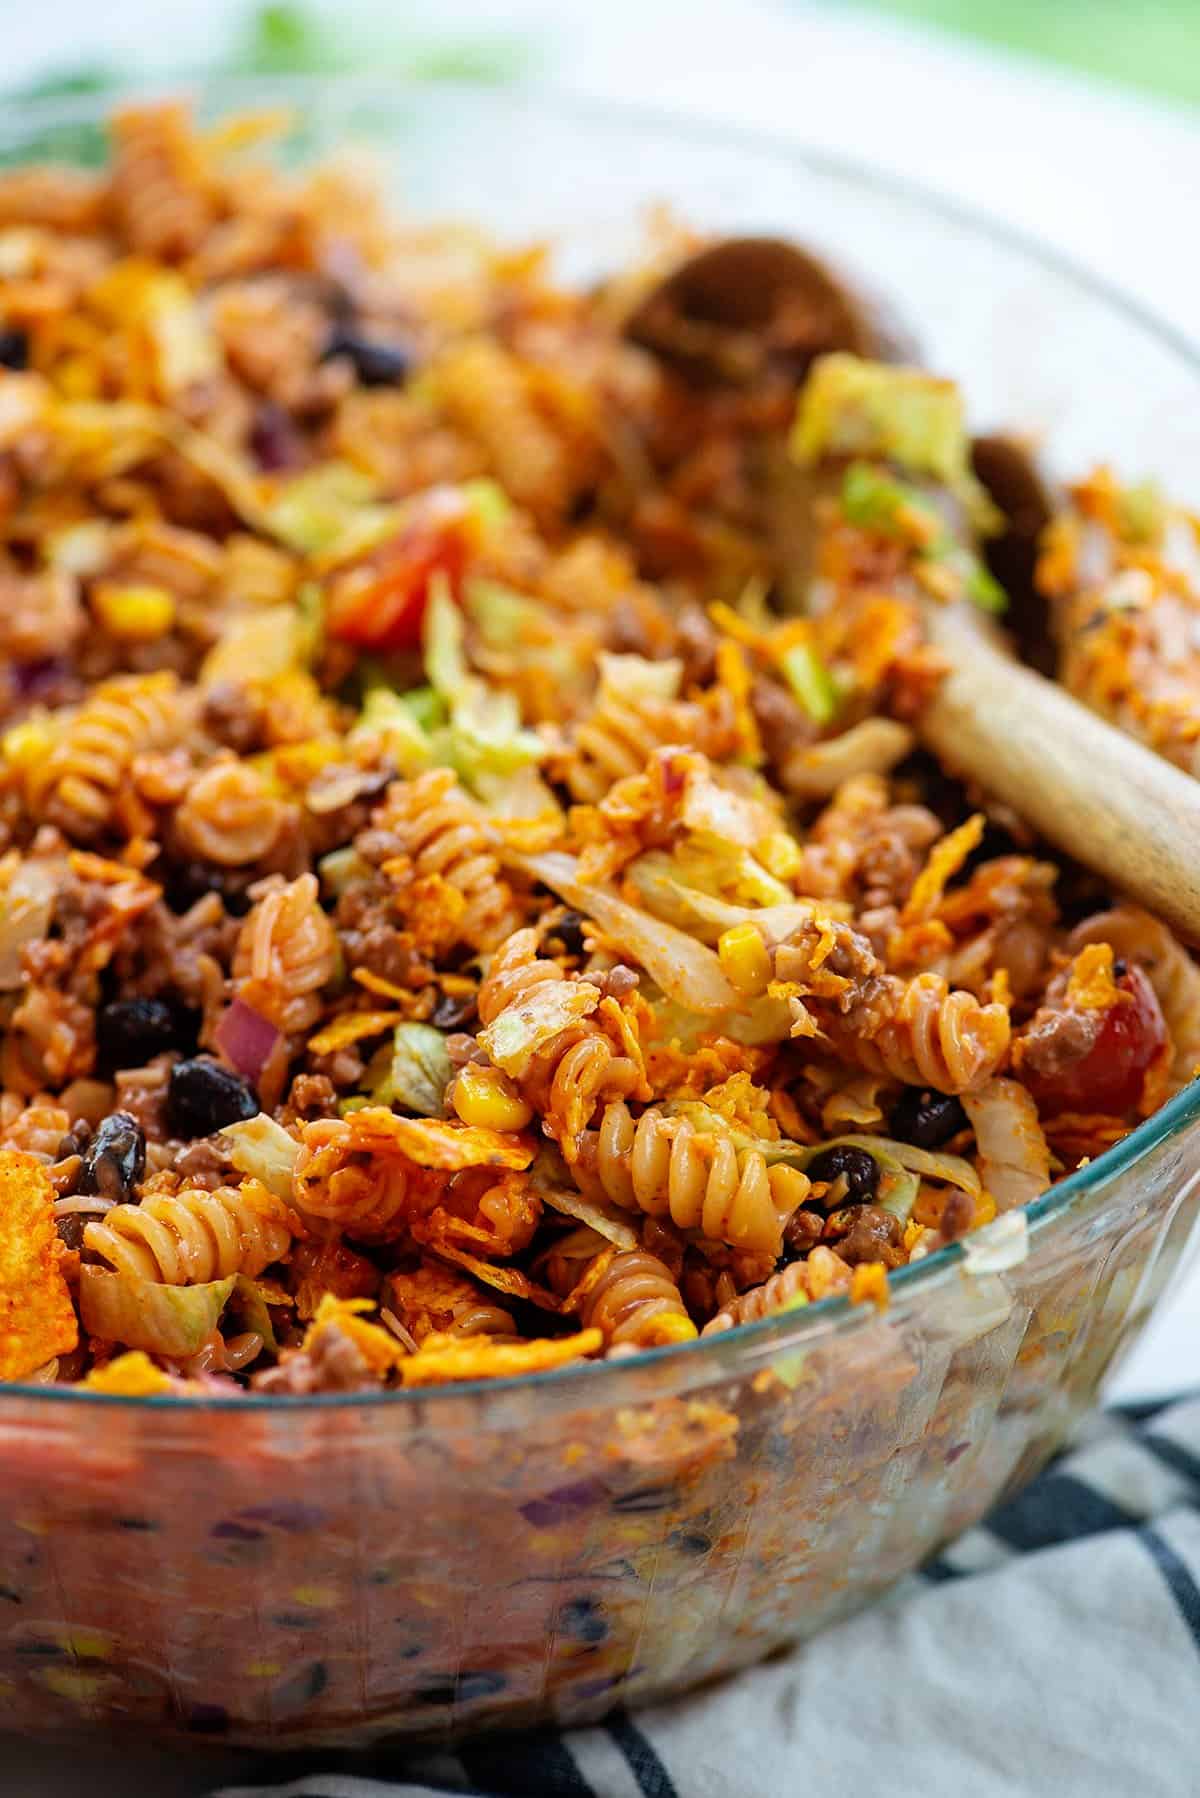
x=1088 y=788
x=721 y=314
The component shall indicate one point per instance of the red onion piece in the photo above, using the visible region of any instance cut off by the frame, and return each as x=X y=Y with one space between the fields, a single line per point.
x=246 y=1039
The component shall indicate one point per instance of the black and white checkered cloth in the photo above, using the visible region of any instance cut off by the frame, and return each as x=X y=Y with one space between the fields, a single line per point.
x=1054 y=1650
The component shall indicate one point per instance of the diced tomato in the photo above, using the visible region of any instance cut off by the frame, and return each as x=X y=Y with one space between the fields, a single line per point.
x=381 y=604
x=1109 y=1077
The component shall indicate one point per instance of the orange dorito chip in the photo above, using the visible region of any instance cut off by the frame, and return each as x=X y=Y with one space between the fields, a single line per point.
x=37 y=1318
x=441 y=1359
x=436 y=1142
x=503 y=1279
x=378 y=1348
x=350 y=1028
x=132 y=1375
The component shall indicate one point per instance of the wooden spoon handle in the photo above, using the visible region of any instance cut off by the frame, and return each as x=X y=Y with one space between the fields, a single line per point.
x=1102 y=797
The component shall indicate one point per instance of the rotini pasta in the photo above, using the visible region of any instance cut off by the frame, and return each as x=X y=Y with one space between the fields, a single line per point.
x=189 y=1237
x=81 y=782
x=636 y=1303
x=444 y=836
x=664 y=1167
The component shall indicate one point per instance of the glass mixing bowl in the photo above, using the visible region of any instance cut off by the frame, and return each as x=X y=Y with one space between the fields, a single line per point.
x=278 y=1572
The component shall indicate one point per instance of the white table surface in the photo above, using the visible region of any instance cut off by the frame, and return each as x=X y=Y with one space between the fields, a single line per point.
x=1109 y=178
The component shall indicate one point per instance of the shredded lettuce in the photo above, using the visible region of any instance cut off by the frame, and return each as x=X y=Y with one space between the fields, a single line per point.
x=247 y=1304
x=145 y=1314
x=852 y=407
x=686 y=970
x=329 y=511
x=388 y=717
x=877 y=501
x=811 y=682
x=636 y=677
x=484 y=735
x=413 y=1071
x=263 y=1149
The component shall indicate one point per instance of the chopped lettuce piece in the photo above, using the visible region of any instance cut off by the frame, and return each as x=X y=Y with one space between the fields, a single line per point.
x=484 y=735
x=263 y=1149
x=811 y=682
x=145 y=1314
x=388 y=717
x=247 y=1304
x=330 y=511
x=413 y=1071
x=852 y=407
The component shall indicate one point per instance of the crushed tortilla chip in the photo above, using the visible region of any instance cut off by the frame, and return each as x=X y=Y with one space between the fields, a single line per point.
x=442 y=1358
x=945 y=859
x=503 y=1279
x=436 y=1142
x=132 y=1375
x=378 y=1348
x=350 y=1028
x=869 y=1285
x=1091 y=986
x=37 y=1318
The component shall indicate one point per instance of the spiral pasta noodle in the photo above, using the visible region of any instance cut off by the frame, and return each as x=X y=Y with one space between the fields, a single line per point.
x=823 y=1275
x=192 y=1236
x=371 y=1197
x=666 y=1168
x=626 y=726
x=287 y=950
x=931 y=1036
x=230 y=815
x=442 y=833
x=576 y=1066
x=82 y=784
x=635 y=1302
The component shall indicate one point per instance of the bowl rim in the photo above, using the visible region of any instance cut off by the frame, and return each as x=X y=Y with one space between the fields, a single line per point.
x=791 y=1329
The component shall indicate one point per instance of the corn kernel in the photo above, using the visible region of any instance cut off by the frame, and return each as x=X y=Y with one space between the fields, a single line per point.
x=28 y=743
x=781 y=855
x=744 y=957
x=139 y=614
x=673 y=1328
x=486 y=1096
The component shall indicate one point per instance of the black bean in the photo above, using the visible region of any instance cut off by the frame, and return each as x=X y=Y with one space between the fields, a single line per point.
x=926 y=1118
x=203 y=1097
x=143 y=1525
x=8 y=1596
x=185 y=882
x=1120 y=969
x=116 y=1157
x=453 y=1012
x=856 y=1168
x=375 y=364
x=14 y=349
x=582 y=1619
x=131 y=1032
x=569 y=931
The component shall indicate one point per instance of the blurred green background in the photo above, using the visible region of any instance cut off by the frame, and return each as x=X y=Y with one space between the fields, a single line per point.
x=1151 y=44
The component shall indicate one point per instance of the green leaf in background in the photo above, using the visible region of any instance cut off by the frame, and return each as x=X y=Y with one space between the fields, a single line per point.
x=1154 y=45
x=283 y=39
